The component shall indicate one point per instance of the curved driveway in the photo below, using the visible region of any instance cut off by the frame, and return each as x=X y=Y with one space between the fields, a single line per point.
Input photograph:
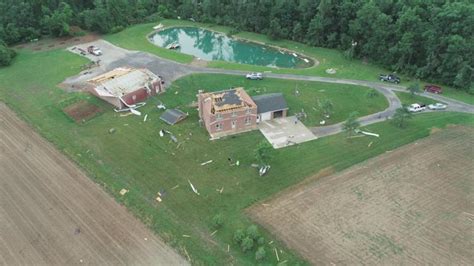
x=117 y=57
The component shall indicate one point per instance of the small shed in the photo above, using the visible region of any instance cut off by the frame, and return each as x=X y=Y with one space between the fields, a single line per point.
x=270 y=106
x=173 y=116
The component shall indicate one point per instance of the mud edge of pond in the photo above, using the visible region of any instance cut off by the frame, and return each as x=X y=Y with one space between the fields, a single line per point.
x=300 y=55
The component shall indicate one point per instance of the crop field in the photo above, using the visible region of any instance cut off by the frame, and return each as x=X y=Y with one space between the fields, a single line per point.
x=51 y=213
x=409 y=206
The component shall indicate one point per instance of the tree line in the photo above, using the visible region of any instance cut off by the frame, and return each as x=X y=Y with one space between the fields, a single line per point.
x=427 y=39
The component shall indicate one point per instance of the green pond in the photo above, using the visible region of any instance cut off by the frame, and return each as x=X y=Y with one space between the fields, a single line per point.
x=210 y=45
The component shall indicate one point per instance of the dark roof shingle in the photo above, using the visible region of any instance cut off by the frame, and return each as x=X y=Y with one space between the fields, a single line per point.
x=270 y=102
x=173 y=116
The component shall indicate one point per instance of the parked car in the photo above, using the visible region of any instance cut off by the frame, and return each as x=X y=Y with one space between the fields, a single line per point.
x=94 y=50
x=437 y=106
x=416 y=107
x=254 y=76
x=433 y=89
x=389 y=78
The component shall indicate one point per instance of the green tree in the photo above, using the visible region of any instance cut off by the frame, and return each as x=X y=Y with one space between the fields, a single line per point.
x=326 y=107
x=238 y=236
x=274 y=32
x=247 y=244
x=260 y=254
x=351 y=124
x=401 y=116
x=263 y=152
x=217 y=221
x=252 y=232
x=414 y=89
x=57 y=22
x=6 y=54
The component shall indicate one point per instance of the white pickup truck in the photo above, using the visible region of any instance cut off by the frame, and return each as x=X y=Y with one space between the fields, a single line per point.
x=416 y=107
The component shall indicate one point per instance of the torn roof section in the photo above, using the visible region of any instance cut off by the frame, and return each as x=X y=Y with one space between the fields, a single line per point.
x=173 y=116
x=228 y=100
x=270 y=102
x=122 y=81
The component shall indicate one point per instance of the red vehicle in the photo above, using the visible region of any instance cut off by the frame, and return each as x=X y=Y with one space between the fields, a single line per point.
x=433 y=89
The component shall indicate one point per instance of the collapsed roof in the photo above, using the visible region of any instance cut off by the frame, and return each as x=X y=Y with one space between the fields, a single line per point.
x=122 y=81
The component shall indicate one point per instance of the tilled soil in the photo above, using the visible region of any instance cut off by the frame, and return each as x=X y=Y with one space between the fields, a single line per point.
x=410 y=206
x=51 y=213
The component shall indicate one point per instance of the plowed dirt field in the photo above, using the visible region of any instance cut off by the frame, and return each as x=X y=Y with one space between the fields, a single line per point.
x=410 y=206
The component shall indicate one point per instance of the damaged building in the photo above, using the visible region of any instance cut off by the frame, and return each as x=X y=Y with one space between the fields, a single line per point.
x=234 y=111
x=124 y=87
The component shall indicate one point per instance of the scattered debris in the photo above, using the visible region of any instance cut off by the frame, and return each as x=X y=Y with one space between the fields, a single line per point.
x=187 y=236
x=370 y=144
x=161 y=106
x=158 y=199
x=144 y=119
x=159 y=26
x=254 y=165
x=228 y=248
x=263 y=170
x=135 y=112
x=77 y=231
x=124 y=115
x=331 y=71
x=130 y=107
x=193 y=188
x=208 y=162
x=123 y=191
x=175 y=187
x=187 y=255
x=162 y=133
x=173 y=138
x=146 y=239
x=112 y=130
x=276 y=254
x=322 y=122
x=213 y=233
x=220 y=190
x=367 y=133
x=265 y=204
x=306 y=60
x=271 y=242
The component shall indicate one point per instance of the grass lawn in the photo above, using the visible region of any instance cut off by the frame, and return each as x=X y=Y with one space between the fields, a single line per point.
x=137 y=158
x=345 y=98
x=407 y=98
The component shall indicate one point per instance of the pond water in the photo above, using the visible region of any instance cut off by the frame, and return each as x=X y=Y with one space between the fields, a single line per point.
x=210 y=45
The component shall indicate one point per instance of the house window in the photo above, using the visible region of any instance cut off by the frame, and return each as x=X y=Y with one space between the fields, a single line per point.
x=234 y=123
x=234 y=114
x=134 y=97
x=218 y=116
x=248 y=121
x=248 y=111
x=218 y=127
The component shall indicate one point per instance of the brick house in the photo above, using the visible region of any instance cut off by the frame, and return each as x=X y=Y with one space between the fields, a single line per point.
x=227 y=112
x=124 y=87
x=234 y=111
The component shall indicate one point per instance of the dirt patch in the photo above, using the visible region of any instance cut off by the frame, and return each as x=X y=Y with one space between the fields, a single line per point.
x=51 y=213
x=82 y=111
x=57 y=43
x=409 y=206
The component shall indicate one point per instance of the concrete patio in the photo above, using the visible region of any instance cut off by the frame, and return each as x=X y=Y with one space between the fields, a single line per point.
x=284 y=132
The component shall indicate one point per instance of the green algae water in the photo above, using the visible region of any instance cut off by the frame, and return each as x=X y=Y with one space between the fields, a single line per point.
x=209 y=45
